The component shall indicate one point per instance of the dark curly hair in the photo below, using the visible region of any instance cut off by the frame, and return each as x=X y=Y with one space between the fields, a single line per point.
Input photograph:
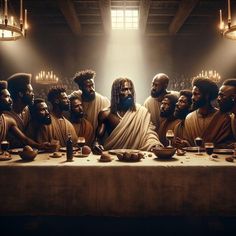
x=83 y=75
x=188 y=94
x=3 y=85
x=206 y=87
x=55 y=92
x=230 y=82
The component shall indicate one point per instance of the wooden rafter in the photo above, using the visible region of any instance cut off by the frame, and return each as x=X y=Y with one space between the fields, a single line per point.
x=144 y=10
x=184 y=10
x=68 y=10
x=105 y=8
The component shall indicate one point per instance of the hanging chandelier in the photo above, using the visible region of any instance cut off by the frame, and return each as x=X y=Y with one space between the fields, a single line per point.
x=210 y=74
x=10 y=28
x=46 y=77
x=228 y=31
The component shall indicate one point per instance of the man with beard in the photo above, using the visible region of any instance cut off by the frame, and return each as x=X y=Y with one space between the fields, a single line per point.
x=206 y=122
x=226 y=100
x=83 y=127
x=8 y=123
x=20 y=88
x=126 y=123
x=167 y=121
x=182 y=109
x=60 y=127
x=92 y=101
x=158 y=91
x=40 y=121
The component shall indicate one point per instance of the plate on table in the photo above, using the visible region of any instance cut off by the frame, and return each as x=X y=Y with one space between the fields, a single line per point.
x=56 y=155
x=117 y=151
x=223 y=151
x=193 y=149
x=17 y=150
x=63 y=149
x=77 y=154
x=5 y=157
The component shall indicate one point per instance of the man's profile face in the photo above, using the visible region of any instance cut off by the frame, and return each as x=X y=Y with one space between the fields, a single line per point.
x=28 y=95
x=76 y=108
x=5 y=100
x=197 y=98
x=126 y=95
x=181 y=107
x=166 y=108
x=42 y=114
x=225 y=98
x=159 y=86
x=64 y=103
x=88 y=90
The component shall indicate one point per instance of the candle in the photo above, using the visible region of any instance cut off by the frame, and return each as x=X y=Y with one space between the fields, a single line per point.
x=21 y=11
x=5 y=8
x=229 y=12
x=26 y=26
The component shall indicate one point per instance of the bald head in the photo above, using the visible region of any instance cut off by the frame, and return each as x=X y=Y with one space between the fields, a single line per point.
x=159 y=85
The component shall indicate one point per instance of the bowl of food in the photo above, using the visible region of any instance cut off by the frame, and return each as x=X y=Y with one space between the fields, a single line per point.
x=28 y=153
x=130 y=156
x=164 y=152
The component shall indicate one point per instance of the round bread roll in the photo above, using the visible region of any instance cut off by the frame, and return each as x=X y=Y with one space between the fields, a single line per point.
x=27 y=148
x=86 y=150
x=105 y=157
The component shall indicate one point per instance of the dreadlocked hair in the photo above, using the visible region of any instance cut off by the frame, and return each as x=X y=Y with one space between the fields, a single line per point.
x=115 y=93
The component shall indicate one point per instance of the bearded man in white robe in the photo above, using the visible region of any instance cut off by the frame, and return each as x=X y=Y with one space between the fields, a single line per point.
x=126 y=123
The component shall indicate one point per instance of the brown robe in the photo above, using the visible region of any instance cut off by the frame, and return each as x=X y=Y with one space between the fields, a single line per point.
x=84 y=129
x=3 y=128
x=213 y=128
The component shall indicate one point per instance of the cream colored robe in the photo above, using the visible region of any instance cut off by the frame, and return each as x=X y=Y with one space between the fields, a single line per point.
x=134 y=131
x=91 y=109
x=213 y=128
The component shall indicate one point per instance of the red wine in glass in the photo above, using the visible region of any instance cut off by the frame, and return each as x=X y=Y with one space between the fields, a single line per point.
x=198 y=141
x=209 y=148
x=80 y=144
x=4 y=146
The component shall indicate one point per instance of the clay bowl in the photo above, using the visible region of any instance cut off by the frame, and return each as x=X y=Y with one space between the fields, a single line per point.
x=165 y=152
x=28 y=155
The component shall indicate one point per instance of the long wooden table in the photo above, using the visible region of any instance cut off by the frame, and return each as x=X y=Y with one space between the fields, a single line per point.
x=185 y=185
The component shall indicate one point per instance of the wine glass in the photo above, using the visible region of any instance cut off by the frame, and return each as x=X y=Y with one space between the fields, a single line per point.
x=198 y=141
x=170 y=135
x=80 y=144
x=4 y=147
x=209 y=148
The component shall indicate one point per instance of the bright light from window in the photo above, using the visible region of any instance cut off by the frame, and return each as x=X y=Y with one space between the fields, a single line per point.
x=124 y=19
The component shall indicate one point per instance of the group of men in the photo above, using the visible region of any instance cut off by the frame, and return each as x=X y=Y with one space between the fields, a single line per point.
x=121 y=122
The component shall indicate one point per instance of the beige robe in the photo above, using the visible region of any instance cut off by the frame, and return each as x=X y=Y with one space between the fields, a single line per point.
x=213 y=128
x=84 y=129
x=233 y=124
x=91 y=109
x=134 y=131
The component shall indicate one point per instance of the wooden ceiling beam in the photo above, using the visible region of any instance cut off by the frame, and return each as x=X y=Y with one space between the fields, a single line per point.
x=68 y=10
x=183 y=12
x=144 y=11
x=105 y=8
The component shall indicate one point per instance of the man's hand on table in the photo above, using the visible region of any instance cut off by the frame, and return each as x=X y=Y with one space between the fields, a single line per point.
x=97 y=148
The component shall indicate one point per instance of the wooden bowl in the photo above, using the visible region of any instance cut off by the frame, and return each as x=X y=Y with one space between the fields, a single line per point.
x=165 y=152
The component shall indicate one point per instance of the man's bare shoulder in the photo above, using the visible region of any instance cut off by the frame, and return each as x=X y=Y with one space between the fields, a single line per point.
x=9 y=119
x=104 y=113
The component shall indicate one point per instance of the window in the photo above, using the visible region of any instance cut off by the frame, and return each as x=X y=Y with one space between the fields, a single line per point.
x=124 y=19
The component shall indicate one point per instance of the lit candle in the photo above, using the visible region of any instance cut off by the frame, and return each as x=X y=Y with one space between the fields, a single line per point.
x=229 y=11
x=21 y=11
x=220 y=17
x=26 y=26
x=5 y=8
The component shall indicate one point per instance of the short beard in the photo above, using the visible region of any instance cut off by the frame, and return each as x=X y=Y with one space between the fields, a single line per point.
x=227 y=106
x=126 y=103
x=28 y=101
x=201 y=103
x=181 y=114
x=166 y=114
x=76 y=116
x=156 y=94
x=88 y=96
x=5 y=107
x=64 y=107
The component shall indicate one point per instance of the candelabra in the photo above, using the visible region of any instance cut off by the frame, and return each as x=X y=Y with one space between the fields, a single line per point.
x=10 y=28
x=46 y=77
x=212 y=75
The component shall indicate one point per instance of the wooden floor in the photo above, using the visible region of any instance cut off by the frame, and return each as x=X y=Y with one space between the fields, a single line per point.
x=55 y=225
